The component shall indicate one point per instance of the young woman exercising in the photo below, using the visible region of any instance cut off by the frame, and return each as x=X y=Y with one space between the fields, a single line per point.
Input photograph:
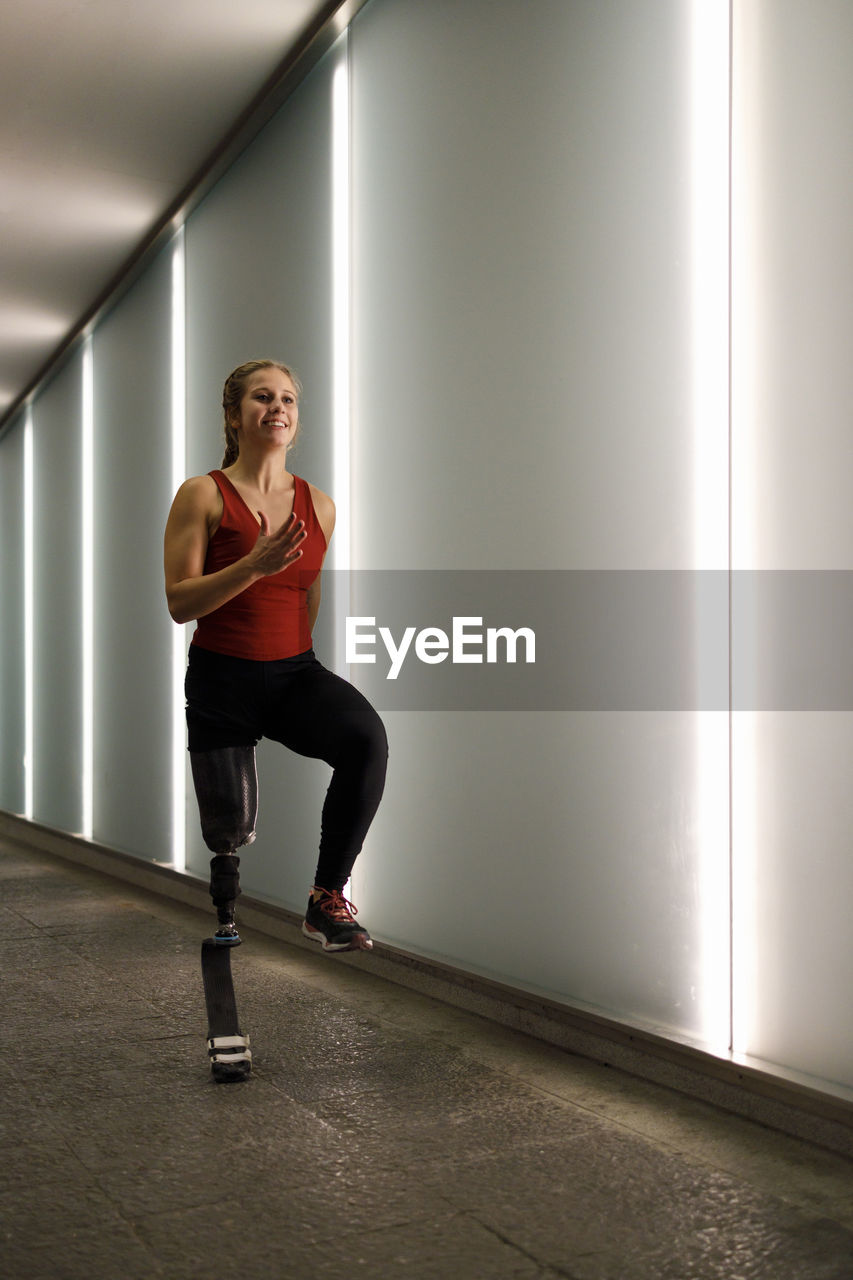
x=244 y=551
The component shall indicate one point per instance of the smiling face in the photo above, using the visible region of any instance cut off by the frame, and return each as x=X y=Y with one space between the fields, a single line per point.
x=269 y=405
x=242 y=393
x=269 y=408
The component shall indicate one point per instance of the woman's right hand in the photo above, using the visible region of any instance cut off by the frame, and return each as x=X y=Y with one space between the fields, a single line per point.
x=273 y=552
x=190 y=592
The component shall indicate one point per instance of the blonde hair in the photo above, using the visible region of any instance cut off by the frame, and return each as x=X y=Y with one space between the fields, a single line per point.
x=232 y=394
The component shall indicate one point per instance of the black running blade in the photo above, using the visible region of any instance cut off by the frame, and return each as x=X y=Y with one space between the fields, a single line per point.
x=232 y=1061
x=218 y=989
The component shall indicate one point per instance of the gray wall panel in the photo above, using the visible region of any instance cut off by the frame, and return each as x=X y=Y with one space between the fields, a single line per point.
x=133 y=631
x=58 y=657
x=12 y=638
x=522 y=314
x=522 y=284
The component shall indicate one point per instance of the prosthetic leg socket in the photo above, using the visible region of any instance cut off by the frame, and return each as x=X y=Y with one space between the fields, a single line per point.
x=226 y=787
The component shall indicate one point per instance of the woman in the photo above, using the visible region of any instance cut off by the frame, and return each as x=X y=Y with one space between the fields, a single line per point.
x=244 y=551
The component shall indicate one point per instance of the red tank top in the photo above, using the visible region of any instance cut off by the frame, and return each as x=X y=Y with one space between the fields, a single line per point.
x=269 y=620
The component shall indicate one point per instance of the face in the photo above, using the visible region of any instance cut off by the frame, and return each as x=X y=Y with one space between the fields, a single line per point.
x=269 y=410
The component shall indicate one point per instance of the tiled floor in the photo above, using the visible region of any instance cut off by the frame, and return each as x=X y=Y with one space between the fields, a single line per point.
x=382 y=1134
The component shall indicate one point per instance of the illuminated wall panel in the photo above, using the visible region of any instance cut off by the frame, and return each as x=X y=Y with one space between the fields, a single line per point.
x=58 y=593
x=259 y=284
x=12 y=628
x=792 y=461
x=523 y=380
x=132 y=628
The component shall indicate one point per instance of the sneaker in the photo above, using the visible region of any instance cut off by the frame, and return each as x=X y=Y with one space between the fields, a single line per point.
x=330 y=922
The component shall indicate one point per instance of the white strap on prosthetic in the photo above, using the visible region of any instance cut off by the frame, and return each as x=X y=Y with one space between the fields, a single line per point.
x=217 y=1047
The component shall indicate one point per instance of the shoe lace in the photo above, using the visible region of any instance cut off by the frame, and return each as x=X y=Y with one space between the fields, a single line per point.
x=336 y=906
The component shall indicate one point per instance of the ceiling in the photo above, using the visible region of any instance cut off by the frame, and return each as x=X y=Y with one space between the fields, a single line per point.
x=108 y=109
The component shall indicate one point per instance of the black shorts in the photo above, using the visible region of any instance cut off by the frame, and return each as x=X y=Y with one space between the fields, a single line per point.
x=233 y=702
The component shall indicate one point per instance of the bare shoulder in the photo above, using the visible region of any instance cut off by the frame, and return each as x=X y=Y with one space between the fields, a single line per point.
x=325 y=509
x=198 y=499
x=198 y=489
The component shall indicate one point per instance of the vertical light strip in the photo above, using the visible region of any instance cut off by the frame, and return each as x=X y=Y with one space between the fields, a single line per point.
x=179 y=462
x=29 y=616
x=87 y=550
x=710 y=81
x=341 y=347
x=746 y=551
x=710 y=163
x=341 y=405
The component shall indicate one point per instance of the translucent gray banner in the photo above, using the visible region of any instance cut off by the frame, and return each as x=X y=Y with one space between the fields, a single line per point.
x=597 y=640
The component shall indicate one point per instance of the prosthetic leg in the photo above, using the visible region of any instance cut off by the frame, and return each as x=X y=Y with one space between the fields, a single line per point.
x=226 y=787
x=227 y=1046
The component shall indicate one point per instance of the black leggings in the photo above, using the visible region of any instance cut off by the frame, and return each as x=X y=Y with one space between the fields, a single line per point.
x=233 y=702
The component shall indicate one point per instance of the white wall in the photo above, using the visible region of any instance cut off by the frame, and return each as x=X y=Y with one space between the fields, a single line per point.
x=527 y=327
x=793 y=458
x=522 y=400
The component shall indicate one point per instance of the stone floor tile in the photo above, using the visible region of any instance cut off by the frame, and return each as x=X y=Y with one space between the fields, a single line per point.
x=278 y=1241
x=106 y=1251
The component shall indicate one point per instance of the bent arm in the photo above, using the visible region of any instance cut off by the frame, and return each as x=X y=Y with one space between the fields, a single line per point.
x=190 y=593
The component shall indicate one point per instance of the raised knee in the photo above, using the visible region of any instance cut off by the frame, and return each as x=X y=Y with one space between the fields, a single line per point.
x=367 y=741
